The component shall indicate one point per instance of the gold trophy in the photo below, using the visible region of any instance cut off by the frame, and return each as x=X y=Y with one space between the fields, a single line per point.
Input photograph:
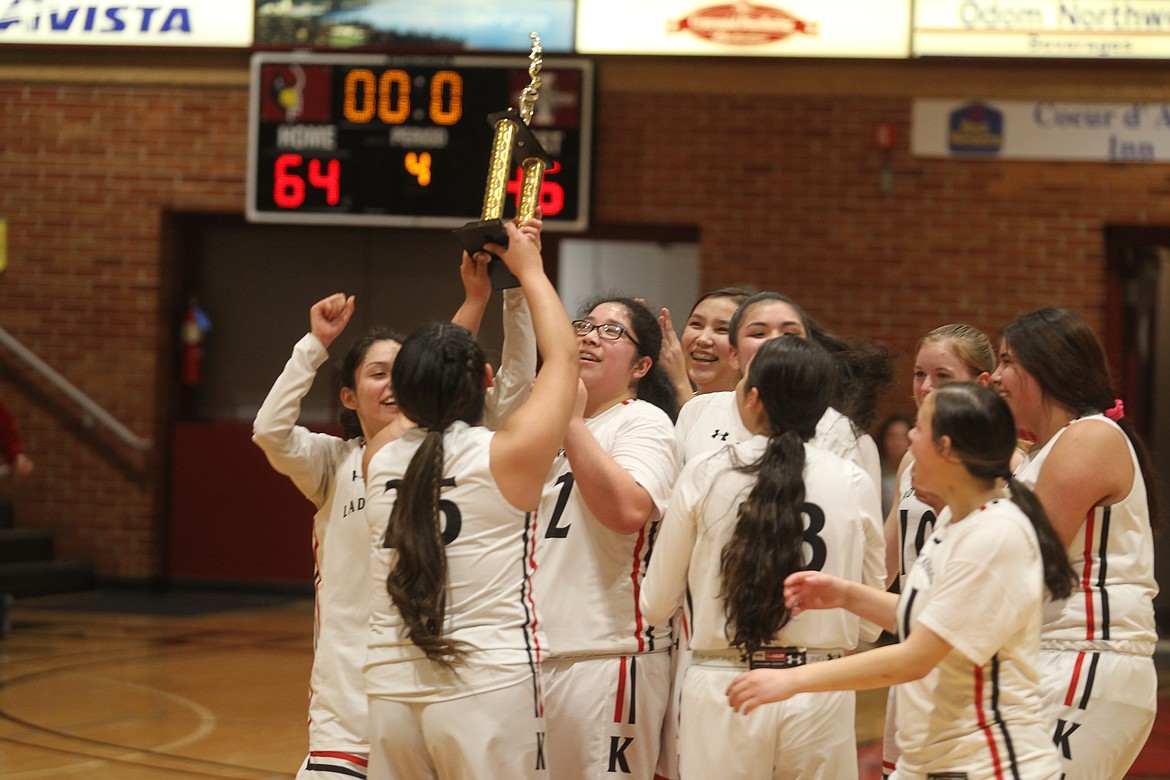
x=513 y=140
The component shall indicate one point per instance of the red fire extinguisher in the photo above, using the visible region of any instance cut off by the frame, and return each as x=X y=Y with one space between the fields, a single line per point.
x=195 y=324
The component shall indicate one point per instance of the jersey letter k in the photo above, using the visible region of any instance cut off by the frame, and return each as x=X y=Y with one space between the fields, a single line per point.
x=1064 y=730
x=617 y=755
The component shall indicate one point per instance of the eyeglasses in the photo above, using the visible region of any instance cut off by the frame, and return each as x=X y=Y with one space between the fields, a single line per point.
x=606 y=330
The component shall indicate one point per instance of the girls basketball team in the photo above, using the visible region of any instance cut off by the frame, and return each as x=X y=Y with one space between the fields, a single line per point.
x=501 y=558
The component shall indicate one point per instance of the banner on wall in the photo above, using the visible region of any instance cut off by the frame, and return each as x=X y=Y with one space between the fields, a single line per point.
x=1126 y=29
x=433 y=25
x=1041 y=130
x=761 y=28
x=202 y=23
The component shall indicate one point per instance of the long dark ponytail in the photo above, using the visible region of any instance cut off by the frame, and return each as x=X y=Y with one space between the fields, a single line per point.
x=795 y=380
x=983 y=436
x=438 y=379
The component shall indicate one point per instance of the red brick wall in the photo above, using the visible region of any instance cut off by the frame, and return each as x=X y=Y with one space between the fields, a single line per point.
x=782 y=183
x=786 y=192
x=86 y=172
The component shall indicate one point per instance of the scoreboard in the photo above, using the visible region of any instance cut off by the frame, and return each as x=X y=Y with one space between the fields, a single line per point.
x=405 y=141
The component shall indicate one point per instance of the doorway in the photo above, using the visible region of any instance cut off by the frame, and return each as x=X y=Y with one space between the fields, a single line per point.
x=226 y=517
x=1137 y=339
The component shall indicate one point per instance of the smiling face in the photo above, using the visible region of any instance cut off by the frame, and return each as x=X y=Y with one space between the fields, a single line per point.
x=707 y=348
x=937 y=363
x=767 y=319
x=372 y=397
x=610 y=368
x=1019 y=388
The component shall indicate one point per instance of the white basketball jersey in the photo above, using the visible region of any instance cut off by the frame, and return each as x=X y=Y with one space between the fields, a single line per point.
x=489 y=547
x=711 y=420
x=916 y=521
x=328 y=471
x=1112 y=606
x=842 y=536
x=588 y=577
x=978 y=584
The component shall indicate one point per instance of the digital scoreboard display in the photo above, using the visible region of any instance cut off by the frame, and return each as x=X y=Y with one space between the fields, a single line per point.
x=405 y=141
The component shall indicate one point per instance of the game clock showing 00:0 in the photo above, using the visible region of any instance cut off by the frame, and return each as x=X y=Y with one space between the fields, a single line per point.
x=405 y=141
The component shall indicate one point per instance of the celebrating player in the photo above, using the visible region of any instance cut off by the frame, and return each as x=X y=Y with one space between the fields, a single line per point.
x=711 y=421
x=1091 y=473
x=951 y=353
x=740 y=520
x=328 y=471
x=607 y=678
x=701 y=360
x=968 y=621
x=453 y=667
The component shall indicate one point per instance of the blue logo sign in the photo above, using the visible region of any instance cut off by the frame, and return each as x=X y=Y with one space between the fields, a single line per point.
x=975 y=128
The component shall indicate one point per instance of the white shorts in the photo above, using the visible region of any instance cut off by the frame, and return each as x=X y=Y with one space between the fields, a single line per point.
x=808 y=736
x=680 y=659
x=605 y=715
x=488 y=736
x=1102 y=708
x=333 y=765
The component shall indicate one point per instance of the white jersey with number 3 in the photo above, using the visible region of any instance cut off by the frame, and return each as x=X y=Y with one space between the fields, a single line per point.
x=842 y=536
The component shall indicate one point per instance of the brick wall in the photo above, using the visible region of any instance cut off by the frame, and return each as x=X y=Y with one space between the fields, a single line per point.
x=86 y=172
x=778 y=171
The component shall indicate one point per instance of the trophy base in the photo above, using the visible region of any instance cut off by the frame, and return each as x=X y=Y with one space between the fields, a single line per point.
x=474 y=235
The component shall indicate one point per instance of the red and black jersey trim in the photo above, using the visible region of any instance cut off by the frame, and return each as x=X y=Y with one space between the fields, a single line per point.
x=1070 y=697
x=337 y=762
x=626 y=701
x=528 y=603
x=992 y=724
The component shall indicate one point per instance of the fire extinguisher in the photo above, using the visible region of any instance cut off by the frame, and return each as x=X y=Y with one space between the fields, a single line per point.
x=195 y=325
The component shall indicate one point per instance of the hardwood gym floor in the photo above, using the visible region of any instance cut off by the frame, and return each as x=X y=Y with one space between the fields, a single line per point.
x=141 y=686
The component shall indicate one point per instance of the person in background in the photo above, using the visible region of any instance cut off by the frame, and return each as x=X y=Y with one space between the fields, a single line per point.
x=893 y=441
x=1093 y=476
x=968 y=619
x=15 y=460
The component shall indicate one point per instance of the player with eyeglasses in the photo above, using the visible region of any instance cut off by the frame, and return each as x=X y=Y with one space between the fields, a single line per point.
x=607 y=678
x=606 y=330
